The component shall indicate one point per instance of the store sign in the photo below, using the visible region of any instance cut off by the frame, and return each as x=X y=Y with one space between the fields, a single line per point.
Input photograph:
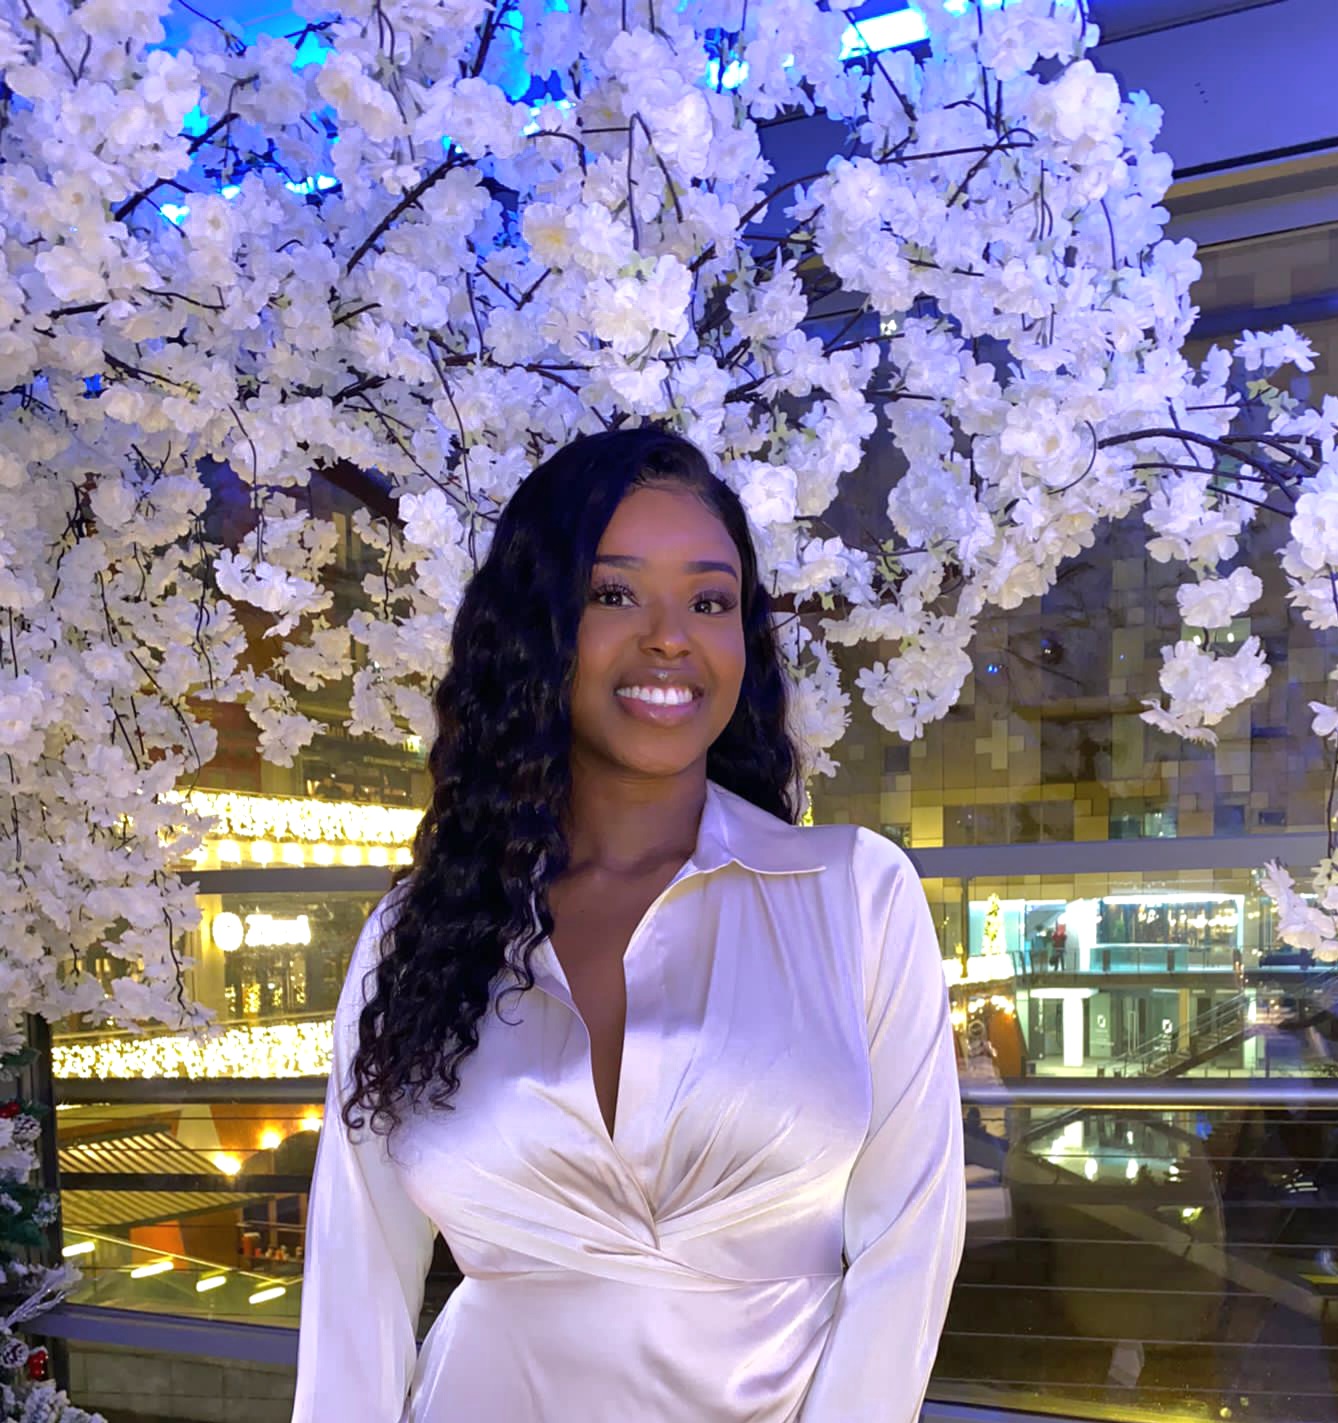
x=260 y=931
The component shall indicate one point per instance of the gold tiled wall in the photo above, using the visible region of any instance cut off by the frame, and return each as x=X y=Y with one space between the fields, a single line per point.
x=1047 y=742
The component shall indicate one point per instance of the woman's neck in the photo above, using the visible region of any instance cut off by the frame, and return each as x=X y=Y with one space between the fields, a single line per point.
x=626 y=826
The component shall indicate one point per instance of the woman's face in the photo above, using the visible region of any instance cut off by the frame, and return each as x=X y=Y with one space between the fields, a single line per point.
x=660 y=651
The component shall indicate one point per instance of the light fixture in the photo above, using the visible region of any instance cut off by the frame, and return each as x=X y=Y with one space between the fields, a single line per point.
x=269 y=1139
x=226 y=1162
x=263 y=1296
x=210 y=1282
x=157 y=1267
x=227 y=932
x=880 y=32
x=80 y=1247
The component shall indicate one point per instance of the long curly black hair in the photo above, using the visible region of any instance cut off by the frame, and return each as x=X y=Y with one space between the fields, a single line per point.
x=491 y=841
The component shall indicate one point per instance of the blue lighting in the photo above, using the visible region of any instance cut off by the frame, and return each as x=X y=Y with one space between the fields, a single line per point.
x=736 y=71
x=992 y=668
x=960 y=7
x=175 y=212
x=880 y=32
x=312 y=185
x=196 y=122
x=311 y=50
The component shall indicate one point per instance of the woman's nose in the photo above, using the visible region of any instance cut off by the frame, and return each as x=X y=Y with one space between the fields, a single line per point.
x=665 y=630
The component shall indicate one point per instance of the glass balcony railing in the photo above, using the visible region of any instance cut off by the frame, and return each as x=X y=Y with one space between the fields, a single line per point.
x=1161 y=1246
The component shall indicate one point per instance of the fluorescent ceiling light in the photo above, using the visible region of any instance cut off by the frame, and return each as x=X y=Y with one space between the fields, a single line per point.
x=879 y=32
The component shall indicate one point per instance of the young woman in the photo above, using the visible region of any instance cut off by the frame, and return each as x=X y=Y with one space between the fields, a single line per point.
x=673 y=1077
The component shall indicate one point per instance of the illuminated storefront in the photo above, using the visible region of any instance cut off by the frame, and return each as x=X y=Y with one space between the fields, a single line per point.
x=267 y=962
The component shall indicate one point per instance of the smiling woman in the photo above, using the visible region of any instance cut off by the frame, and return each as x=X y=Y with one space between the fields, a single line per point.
x=662 y=633
x=729 y=1073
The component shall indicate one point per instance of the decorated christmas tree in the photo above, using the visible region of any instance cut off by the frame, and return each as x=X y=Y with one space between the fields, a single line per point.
x=28 y=1287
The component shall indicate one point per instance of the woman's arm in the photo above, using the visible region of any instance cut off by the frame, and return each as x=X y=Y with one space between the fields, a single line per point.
x=905 y=1217
x=368 y=1249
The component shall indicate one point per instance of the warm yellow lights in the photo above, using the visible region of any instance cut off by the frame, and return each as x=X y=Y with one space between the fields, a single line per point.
x=260 y=817
x=80 y=1247
x=226 y=1162
x=227 y=931
x=312 y=1121
x=210 y=1282
x=263 y=1296
x=980 y=968
x=155 y=1267
x=297 y=831
x=263 y=1050
x=270 y=1138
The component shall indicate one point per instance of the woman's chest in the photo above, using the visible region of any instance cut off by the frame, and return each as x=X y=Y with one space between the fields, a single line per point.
x=744 y=1059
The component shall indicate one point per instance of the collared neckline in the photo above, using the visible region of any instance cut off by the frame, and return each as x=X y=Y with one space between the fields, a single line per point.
x=735 y=831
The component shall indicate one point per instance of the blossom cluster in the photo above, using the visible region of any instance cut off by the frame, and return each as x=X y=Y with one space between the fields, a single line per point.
x=474 y=230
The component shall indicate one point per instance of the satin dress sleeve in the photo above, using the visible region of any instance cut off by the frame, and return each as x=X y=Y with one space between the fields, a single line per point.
x=368 y=1248
x=905 y=1205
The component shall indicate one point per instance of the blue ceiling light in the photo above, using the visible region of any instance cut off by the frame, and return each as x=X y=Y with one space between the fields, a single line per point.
x=311 y=50
x=960 y=7
x=313 y=185
x=892 y=30
x=196 y=122
x=736 y=71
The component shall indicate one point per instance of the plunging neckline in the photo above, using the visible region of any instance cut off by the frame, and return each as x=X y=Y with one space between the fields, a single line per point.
x=612 y=1136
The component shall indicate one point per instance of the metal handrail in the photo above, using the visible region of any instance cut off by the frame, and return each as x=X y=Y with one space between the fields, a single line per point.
x=1204 y=1092
x=1185 y=1094
x=1162 y=1049
x=271 y=1091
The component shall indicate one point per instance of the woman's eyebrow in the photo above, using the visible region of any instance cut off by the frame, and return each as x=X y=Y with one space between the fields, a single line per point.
x=698 y=565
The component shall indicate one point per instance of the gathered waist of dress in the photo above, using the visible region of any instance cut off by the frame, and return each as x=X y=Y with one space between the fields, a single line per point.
x=567 y=1278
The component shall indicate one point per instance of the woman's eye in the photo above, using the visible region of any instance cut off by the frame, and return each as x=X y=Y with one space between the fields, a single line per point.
x=610 y=590
x=607 y=594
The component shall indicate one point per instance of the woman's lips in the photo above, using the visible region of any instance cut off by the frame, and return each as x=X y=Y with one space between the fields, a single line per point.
x=660 y=713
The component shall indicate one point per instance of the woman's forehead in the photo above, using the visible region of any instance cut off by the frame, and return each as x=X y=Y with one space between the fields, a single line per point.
x=665 y=522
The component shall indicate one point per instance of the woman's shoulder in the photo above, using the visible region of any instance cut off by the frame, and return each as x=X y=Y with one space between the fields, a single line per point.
x=768 y=842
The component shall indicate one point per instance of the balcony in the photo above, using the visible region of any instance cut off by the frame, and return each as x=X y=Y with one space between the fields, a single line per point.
x=1160 y=1246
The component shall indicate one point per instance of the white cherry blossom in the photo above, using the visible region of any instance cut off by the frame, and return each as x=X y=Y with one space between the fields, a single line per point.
x=387 y=272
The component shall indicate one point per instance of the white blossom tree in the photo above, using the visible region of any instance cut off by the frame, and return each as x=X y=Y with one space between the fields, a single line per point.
x=476 y=229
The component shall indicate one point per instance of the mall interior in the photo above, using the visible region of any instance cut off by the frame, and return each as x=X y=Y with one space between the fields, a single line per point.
x=1149 y=1078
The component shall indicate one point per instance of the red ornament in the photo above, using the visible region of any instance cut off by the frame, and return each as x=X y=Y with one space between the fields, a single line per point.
x=10 y=1109
x=36 y=1365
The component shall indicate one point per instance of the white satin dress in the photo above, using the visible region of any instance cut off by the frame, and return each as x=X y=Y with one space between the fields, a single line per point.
x=788 y=1095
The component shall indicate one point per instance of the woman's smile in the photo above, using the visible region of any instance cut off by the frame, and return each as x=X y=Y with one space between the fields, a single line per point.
x=660 y=706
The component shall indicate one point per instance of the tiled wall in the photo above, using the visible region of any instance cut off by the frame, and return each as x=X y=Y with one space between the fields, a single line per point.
x=1047 y=743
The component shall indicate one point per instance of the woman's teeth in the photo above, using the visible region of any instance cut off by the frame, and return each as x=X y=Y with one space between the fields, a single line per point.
x=658 y=696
